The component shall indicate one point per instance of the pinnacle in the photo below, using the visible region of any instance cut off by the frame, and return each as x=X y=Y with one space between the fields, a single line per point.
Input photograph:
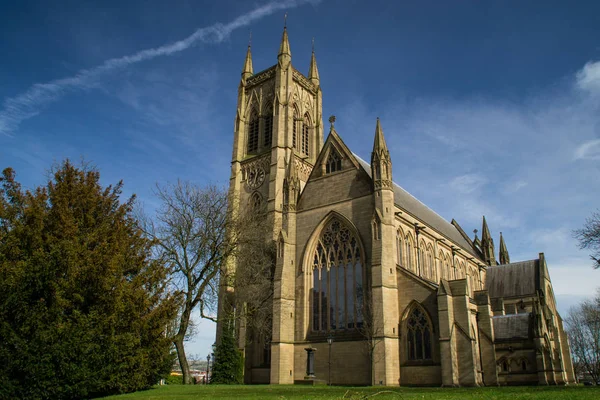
x=313 y=71
x=248 y=63
x=379 y=142
x=284 y=47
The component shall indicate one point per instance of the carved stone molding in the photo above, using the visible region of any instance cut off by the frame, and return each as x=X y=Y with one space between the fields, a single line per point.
x=302 y=168
x=303 y=81
x=263 y=162
x=260 y=77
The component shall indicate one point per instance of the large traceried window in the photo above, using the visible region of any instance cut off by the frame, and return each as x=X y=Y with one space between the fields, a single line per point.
x=338 y=280
x=253 y=133
x=418 y=335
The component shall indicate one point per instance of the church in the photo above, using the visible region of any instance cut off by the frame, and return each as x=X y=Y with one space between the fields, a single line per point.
x=373 y=284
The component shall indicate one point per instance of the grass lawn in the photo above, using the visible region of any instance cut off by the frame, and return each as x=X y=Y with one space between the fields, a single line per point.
x=376 y=393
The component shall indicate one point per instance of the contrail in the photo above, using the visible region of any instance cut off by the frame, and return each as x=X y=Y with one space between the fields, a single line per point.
x=31 y=102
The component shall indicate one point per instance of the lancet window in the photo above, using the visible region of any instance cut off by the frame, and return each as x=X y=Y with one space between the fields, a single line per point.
x=256 y=201
x=304 y=148
x=400 y=248
x=296 y=128
x=334 y=162
x=409 y=254
x=268 y=129
x=253 y=133
x=418 y=335
x=430 y=266
x=338 y=280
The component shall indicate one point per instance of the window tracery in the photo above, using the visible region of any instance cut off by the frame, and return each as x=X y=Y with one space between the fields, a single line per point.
x=334 y=162
x=418 y=335
x=337 y=293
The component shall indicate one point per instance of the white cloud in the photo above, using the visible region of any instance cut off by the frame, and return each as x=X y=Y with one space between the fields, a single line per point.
x=467 y=183
x=31 y=102
x=588 y=78
x=589 y=150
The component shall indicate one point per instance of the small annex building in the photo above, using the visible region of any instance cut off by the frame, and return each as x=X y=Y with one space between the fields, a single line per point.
x=409 y=298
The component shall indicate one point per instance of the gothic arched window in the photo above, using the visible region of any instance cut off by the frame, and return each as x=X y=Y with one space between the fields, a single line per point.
x=334 y=162
x=296 y=128
x=409 y=253
x=256 y=201
x=304 y=145
x=418 y=330
x=400 y=248
x=268 y=129
x=338 y=279
x=430 y=266
x=422 y=261
x=253 y=133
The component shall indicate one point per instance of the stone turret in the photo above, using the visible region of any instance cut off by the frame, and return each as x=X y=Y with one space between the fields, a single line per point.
x=384 y=286
x=381 y=163
x=504 y=257
x=487 y=244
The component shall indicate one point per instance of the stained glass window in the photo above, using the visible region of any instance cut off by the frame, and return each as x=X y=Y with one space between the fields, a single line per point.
x=337 y=279
x=418 y=335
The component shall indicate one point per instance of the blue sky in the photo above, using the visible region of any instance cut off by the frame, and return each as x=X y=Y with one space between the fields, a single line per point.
x=488 y=107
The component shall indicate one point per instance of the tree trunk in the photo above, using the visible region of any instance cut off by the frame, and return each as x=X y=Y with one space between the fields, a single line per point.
x=183 y=363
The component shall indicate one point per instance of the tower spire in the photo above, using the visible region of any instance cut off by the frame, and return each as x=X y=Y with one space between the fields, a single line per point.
x=313 y=72
x=487 y=244
x=284 y=47
x=379 y=144
x=248 y=71
x=381 y=163
x=504 y=257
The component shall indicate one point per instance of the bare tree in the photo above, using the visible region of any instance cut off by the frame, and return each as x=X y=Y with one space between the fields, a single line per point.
x=197 y=235
x=589 y=237
x=194 y=235
x=583 y=329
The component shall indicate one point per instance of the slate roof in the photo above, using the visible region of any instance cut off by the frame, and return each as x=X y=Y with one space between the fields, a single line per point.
x=408 y=203
x=512 y=280
x=513 y=326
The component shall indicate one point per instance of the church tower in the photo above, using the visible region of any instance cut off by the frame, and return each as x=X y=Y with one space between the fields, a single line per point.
x=278 y=134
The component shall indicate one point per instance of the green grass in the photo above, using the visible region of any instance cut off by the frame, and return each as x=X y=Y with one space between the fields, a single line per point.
x=281 y=392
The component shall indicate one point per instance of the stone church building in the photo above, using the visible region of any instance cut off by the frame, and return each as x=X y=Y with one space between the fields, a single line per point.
x=406 y=297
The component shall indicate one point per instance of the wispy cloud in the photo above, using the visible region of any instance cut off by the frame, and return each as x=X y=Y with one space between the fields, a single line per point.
x=31 y=102
x=588 y=78
x=589 y=150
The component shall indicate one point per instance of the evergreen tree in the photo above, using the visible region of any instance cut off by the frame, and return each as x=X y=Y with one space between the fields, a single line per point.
x=83 y=306
x=228 y=367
